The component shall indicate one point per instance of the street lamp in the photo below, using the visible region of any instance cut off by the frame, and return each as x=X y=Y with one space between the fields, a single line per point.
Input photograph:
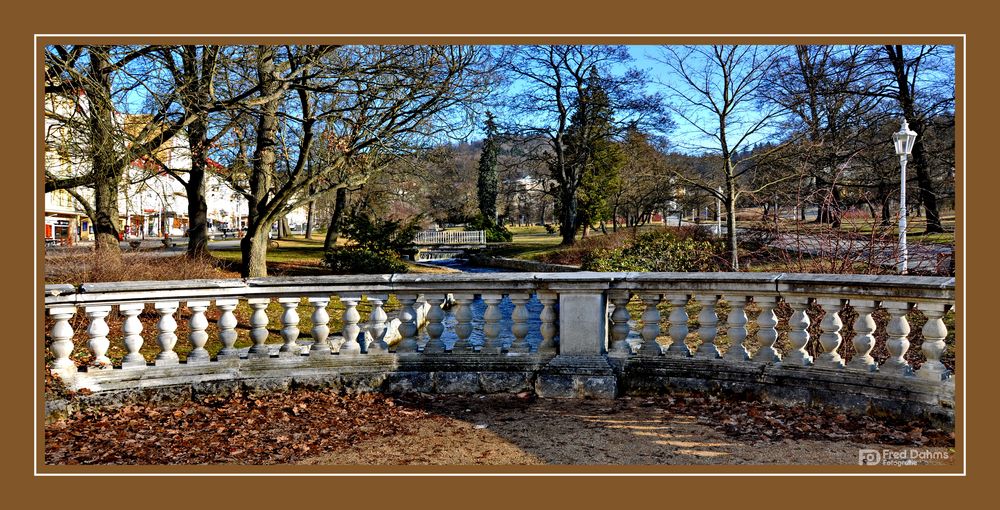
x=903 y=139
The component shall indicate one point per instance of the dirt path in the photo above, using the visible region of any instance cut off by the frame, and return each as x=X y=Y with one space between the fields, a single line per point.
x=510 y=431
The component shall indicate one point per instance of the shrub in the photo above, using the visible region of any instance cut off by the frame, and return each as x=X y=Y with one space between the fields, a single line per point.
x=377 y=234
x=363 y=260
x=658 y=250
x=494 y=233
x=551 y=228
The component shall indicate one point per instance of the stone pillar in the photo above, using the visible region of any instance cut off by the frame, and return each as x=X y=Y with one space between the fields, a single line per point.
x=650 y=325
x=166 y=337
x=798 y=334
x=133 y=335
x=198 y=337
x=678 y=325
x=258 y=325
x=97 y=331
x=463 y=321
x=933 y=345
x=407 y=324
x=619 y=319
x=491 y=324
x=830 y=339
x=289 y=327
x=435 y=326
x=227 y=328
x=766 y=332
x=708 y=322
x=62 y=340
x=519 y=322
x=863 y=340
x=351 y=328
x=737 y=332
x=320 y=330
x=583 y=319
x=897 y=343
x=377 y=325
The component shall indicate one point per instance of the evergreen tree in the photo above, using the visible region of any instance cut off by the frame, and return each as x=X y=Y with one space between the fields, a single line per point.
x=487 y=184
x=589 y=145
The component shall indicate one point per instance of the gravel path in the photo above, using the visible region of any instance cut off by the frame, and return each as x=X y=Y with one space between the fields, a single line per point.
x=511 y=431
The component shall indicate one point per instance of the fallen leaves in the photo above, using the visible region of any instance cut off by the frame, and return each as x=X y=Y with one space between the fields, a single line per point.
x=271 y=429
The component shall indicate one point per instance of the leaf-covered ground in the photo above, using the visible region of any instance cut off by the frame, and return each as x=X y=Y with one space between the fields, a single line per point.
x=321 y=427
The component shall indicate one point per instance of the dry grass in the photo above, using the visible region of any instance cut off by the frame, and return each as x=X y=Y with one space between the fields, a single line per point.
x=83 y=265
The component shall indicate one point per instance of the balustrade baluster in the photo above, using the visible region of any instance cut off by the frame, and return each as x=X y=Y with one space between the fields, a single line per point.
x=708 y=322
x=320 y=330
x=619 y=319
x=407 y=324
x=198 y=336
x=377 y=325
x=766 y=332
x=549 y=320
x=519 y=322
x=289 y=327
x=97 y=332
x=132 y=327
x=435 y=328
x=62 y=339
x=830 y=338
x=737 y=332
x=897 y=343
x=650 y=325
x=798 y=334
x=678 y=325
x=863 y=340
x=258 y=327
x=166 y=337
x=227 y=328
x=491 y=324
x=933 y=345
x=463 y=321
x=351 y=329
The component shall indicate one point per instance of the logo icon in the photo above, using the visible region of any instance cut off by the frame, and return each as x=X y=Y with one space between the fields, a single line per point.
x=869 y=457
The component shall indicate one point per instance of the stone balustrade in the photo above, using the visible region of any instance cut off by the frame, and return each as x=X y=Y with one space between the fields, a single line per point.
x=560 y=334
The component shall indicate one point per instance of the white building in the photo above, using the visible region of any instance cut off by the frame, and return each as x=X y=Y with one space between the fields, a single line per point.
x=151 y=202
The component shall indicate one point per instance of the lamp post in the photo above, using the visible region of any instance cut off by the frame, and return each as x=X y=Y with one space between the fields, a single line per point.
x=903 y=140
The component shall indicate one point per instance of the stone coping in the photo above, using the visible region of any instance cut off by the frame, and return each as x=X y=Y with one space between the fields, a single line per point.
x=918 y=288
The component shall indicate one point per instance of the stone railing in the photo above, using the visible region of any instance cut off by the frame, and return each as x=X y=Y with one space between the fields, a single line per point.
x=559 y=334
x=450 y=237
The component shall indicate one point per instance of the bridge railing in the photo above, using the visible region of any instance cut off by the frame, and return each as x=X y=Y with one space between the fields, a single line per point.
x=572 y=308
x=446 y=237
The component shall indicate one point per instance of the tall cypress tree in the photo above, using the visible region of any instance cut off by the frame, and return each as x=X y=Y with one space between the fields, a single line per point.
x=487 y=184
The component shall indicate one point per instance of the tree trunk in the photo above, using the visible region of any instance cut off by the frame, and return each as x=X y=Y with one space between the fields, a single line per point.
x=567 y=216
x=333 y=231
x=106 y=241
x=730 y=203
x=253 y=247
x=254 y=243
x=284 y=231
x=309 y=220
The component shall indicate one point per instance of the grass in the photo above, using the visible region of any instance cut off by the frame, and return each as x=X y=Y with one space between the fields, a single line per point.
x=528 y=243
x=298 y=256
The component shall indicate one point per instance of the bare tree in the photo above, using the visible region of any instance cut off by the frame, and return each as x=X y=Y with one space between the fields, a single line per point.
x=717 y=94
x=370 y=100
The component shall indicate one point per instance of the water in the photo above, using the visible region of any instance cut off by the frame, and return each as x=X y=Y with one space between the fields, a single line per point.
x=478 y=306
